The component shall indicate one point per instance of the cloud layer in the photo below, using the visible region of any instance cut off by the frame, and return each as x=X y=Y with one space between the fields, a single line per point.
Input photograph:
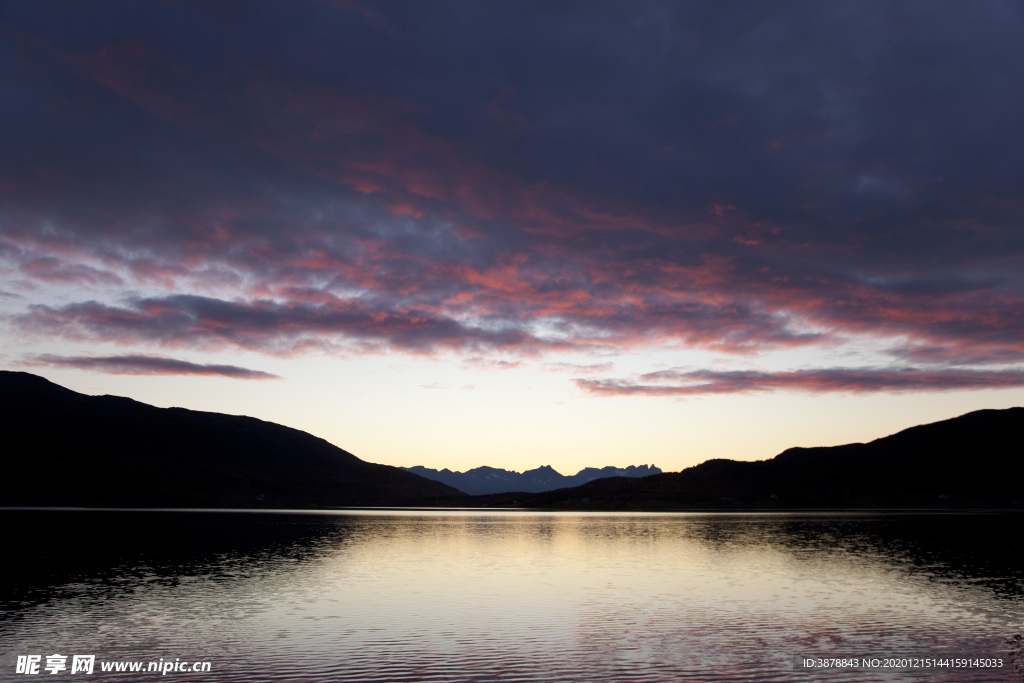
x=526 y=179
x=148 y=365
x=838 y=380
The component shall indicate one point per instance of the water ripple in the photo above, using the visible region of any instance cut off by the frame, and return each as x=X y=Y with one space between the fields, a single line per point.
x=513 y=597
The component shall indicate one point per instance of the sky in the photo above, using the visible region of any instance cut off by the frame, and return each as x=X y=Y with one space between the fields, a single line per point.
x=520 y=233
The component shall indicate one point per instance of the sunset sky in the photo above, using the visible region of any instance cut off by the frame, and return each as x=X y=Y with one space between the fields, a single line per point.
x=520 y=233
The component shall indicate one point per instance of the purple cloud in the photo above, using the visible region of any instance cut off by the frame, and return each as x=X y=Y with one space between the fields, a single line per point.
x=827 y=380
x=695 y=181
x=203 y=322
x=148 y=365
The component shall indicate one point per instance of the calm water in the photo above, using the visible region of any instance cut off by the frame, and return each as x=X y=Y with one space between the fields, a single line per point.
x=509 y=596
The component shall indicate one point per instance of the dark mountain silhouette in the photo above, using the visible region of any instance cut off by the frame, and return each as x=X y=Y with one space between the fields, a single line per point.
x=62 y=448
x=484 y=480
x=972 y=461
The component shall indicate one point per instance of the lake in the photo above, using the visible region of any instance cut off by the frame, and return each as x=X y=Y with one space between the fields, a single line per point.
x=469 y=595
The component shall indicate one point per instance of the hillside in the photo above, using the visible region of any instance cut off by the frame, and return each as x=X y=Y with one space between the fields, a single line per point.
x=972 y=461
x=62 y=448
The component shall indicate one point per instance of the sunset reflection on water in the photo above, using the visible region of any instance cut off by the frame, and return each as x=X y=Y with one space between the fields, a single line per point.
x=521 y=596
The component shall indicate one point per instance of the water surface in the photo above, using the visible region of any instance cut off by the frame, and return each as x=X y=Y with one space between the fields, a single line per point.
x=387 y=596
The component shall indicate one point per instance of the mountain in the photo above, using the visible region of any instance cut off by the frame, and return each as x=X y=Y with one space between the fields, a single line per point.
x=972 y=461
x=485 y=480
x=62 y=448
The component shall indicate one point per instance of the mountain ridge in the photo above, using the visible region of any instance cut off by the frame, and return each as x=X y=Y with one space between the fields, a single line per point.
x=62 y=448
x=970 y=461
x=485 y=480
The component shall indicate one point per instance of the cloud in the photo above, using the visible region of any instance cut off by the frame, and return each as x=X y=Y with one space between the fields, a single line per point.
x=589 y=177
x=147 y=365
x=478 y=362
x=579 y=367
x=269 y=326
x=965 y=354
x=53 y=270
x=827 y=380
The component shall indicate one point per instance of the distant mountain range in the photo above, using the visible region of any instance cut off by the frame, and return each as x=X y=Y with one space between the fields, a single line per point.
x=62 y=448
x=484 y=480
x=972 y=461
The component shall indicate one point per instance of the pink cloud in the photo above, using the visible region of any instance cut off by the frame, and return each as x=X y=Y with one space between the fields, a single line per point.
x=147 y=365
x=446 y=250
x=825 y=380
x=201 y=322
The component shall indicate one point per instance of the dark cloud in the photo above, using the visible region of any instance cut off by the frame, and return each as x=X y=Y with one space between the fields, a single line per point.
x=268 y=326
x=965 y=355
x=147 y=365
x=518 y=176
x=845 y=380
